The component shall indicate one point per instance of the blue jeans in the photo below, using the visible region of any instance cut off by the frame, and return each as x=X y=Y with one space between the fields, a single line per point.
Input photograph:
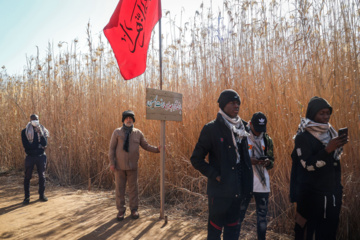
x=30 y=162
x=261 y=200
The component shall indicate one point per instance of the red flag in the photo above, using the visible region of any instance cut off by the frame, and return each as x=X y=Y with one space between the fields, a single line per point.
x=129 y=32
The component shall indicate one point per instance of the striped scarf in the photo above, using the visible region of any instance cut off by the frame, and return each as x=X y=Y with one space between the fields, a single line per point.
x=237 y=127
x=323 y=132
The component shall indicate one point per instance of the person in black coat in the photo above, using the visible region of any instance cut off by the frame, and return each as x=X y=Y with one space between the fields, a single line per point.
x=229 y=170
x=34 y=139
x=316 y=174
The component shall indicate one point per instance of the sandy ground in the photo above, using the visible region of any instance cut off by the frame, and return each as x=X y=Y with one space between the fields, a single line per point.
x=82 y=214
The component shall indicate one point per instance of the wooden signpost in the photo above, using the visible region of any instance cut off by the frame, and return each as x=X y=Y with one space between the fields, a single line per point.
x=164 y=106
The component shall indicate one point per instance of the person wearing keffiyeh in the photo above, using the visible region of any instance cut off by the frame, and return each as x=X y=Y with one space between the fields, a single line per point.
x=228 y=170
x=315 y=183
x=34 y=138
x=262 y=159
x=124 y=156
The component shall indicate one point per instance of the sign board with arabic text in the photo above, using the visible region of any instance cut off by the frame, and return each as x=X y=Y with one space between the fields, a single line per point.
x=163 y=105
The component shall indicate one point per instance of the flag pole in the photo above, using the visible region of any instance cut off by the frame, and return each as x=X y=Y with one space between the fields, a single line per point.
x=162 y=141
x=160 y=53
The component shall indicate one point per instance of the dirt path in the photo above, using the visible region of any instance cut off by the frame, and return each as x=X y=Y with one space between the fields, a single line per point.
x=76 y=214
x=82 y=214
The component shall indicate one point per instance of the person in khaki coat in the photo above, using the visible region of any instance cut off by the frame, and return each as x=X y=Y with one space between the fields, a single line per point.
x=124 y=156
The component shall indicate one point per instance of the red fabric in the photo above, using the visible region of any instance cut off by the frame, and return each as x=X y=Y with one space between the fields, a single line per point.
x=215 y=226
x=233 y=224
x=129 y=32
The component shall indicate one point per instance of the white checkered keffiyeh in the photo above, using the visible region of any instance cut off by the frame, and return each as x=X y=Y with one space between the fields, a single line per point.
x=29 y=132
x=324 y=132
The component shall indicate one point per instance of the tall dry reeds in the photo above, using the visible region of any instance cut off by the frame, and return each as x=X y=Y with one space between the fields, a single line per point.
x=276 y=55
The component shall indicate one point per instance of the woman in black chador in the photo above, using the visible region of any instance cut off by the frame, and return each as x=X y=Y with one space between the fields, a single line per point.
x=316 y=174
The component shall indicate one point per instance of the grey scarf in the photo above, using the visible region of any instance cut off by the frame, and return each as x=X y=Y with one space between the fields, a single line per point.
x=257 y=153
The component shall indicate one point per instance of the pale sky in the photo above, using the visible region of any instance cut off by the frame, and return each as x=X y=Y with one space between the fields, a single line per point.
x=26 y=24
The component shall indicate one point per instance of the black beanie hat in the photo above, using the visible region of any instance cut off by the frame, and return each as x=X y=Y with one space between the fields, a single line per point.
x=128 y=113
x=227 y=96
x=315 y=105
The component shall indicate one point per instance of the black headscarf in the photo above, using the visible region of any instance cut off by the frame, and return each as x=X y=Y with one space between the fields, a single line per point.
x=315 y=105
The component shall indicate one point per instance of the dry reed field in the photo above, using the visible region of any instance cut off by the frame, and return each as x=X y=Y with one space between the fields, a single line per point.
x=275 y=54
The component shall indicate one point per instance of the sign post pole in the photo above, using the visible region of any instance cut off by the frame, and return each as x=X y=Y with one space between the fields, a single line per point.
x=164 y=106
x=162 y=141
x=162 y=169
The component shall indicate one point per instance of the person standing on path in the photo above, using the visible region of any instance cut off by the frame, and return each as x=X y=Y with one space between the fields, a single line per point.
x=229 y=171
x=262 y=159
x=315 y=183
x=34 y=139
x=124 y=156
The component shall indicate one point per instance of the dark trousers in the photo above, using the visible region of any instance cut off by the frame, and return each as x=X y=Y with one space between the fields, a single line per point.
x=30 y=162
x=227 y=214
x=320 y=216
x=261 y=200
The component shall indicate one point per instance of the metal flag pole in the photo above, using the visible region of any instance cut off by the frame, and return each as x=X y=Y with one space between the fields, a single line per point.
x=162 y=141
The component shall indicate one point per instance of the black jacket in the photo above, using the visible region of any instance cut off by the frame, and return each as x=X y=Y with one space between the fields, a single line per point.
x=216 y=140
x=307 y=172
x=35 y=148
